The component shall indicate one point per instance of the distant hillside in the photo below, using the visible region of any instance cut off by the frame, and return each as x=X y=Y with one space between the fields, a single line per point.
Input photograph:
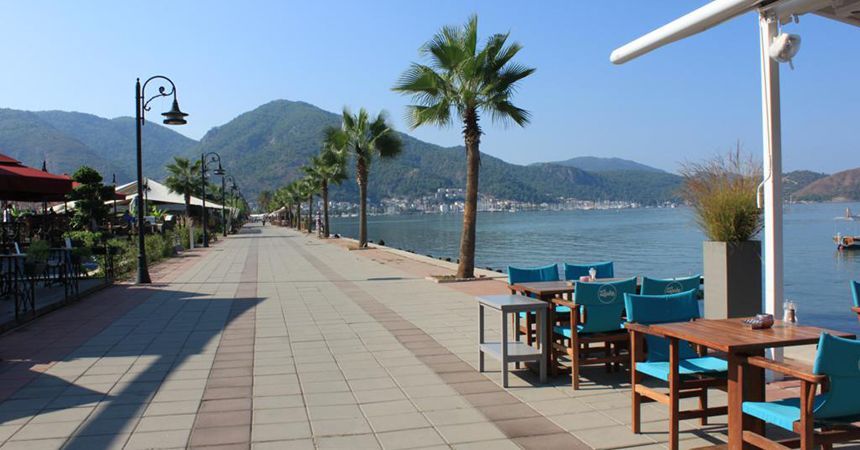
x=837 y=187
x=265 y=148
x=799 y=179
x=68 y=140
x=598 y=164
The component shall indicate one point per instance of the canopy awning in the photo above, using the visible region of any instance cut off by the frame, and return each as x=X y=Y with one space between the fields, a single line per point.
x=771 y=14
x=159 y=193
x=21 y=183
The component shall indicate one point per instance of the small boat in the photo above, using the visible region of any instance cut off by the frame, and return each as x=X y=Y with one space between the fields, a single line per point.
x=849 y=241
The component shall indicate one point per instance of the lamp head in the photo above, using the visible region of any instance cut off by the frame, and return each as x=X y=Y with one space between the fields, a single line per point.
x=219 y=171
x=175 y=116
x=784 y=47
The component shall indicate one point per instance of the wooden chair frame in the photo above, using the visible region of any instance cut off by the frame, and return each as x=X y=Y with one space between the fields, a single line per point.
x=856 y=310
x=679 y=387
x=578 y=348
x=808 y=437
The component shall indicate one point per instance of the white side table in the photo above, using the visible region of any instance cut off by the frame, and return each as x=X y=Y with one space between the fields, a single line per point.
x=508 y=352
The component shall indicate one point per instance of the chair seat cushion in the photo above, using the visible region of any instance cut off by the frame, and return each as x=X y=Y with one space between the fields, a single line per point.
x=782 y=413
x=565 y=331
x=692 y=366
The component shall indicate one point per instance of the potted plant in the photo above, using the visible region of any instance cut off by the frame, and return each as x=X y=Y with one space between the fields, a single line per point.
x=37 y=258
x=722 y=193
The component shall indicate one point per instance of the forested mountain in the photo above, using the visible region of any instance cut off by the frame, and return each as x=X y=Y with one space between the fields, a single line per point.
x=840 y=186
x=67 y=140
x=598 y=164
x=265 y=148
x=792 y=182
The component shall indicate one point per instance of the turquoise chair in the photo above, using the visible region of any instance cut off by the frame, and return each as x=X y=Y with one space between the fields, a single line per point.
x=855 y=291
x=650 y=357
x=527 y=275
x=663 y=286
x=574 y=271
x=595 y=317
x=837 y=370
x=531 y=274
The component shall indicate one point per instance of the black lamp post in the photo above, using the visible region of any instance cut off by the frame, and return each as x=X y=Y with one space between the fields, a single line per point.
x=173 y=117
x=224 y=200
x=213 y=157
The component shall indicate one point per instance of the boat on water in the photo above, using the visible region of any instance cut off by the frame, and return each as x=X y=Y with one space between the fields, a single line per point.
x=849 y=241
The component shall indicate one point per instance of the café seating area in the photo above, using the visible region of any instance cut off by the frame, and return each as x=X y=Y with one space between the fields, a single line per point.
x=653 y=328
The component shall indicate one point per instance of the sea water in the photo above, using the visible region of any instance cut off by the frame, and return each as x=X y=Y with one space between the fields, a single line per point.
x=645 y=241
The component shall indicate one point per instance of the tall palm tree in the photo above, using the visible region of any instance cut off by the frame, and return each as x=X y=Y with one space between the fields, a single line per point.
x=363 y=138
x=264 y=199
x=294 y=192
x=330 y=168
x=462 y=81
x=184 y=179
x=308 y=187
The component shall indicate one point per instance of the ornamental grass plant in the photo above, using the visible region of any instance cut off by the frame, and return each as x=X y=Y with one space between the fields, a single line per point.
x=722 y=192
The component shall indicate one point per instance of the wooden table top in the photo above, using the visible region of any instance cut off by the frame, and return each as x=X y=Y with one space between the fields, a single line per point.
x=544 y=288
x=732 y=335
x=856 y=309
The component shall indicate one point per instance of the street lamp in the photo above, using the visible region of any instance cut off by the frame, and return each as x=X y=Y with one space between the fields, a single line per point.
x=213 y=157
x=224 y=200
x=173 y=117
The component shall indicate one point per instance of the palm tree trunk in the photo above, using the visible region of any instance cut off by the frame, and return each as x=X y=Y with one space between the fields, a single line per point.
x=299 y=215
x=361 y=177
x=310 y=213
x=325 y=208
x=472 y=134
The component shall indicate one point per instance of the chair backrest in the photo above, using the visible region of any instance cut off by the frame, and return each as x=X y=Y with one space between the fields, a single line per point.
x=602 y=304
x=530 y=274
x=855 y=291
x=574 y=271
x=663 y=286
x=656 y=309
x=839 y=359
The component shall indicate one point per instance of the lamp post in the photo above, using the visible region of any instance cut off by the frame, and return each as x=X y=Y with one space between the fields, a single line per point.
x=224 y=200
x=114 y=199
x=173 y=117
x=219 y=171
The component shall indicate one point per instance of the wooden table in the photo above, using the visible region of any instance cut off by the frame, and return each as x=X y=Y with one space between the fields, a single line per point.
x=738 y=341
x=516 y=351
x=856 y=309
x=544 y=290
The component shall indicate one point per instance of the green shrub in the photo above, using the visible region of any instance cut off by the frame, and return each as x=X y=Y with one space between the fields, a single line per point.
x=722 y=192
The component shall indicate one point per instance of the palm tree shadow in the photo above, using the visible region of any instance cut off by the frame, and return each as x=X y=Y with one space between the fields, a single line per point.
x=164 y=333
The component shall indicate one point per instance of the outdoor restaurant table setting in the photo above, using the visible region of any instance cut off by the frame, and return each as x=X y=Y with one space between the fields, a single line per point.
x=744 y=349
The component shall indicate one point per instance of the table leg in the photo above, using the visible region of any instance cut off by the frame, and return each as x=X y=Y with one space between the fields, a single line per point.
x=744 y=383
x=481 y=336
x=547 y=337
x=517 y=332
x=544 y=345
x=504 y=352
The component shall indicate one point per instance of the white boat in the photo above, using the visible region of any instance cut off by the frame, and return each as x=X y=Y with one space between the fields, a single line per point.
x=851 y=240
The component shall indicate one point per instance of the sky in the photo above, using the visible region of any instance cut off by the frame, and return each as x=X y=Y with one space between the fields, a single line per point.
x=683 y=103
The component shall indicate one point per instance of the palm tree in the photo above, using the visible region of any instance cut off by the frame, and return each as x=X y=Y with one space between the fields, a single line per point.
x=363 y=139
x=294 y=192
x=264 y=199
x=468 y=80
x=329 y=167
x=184 y=179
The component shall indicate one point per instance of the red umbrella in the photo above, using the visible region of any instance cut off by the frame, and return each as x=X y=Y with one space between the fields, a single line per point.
x=21 y=183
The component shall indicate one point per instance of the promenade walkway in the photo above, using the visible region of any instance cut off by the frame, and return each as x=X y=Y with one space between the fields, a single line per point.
x=276 y=340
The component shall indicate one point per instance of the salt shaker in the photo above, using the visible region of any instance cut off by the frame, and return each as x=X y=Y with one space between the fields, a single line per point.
x=592 y=272
x=789 y=314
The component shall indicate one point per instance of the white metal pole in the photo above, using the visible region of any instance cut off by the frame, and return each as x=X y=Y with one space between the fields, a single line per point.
x=772 y=148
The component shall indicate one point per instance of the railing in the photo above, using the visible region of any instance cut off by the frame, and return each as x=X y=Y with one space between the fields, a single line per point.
x=19 y=278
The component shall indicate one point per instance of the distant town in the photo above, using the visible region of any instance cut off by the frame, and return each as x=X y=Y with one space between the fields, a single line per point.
x=451 y=200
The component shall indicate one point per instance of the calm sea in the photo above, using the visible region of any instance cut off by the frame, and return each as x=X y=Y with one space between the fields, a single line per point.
x=653 y=242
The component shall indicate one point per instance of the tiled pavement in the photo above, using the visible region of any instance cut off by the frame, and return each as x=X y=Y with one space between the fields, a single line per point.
x=275 y=340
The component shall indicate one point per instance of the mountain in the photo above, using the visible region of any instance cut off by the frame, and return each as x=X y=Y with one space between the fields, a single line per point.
x=840 y=186
x=799 y=179
x=597 y=164
x=67 y=140
x=265 y=148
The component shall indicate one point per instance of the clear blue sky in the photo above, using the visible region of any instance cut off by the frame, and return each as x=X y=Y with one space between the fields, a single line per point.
x=684 y=102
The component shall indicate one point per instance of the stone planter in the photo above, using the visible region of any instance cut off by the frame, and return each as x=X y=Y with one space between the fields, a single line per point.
x=732 y=272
